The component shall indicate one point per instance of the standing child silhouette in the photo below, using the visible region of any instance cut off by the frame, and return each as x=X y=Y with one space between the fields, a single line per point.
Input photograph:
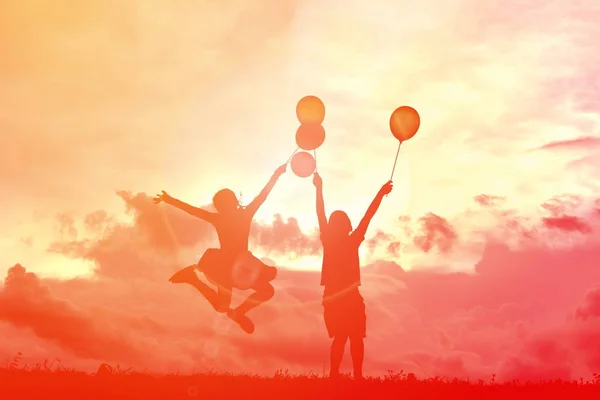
x=343 y=305
x=232 y=265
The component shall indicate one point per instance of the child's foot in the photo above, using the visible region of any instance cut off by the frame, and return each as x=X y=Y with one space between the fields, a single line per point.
x=242 y=320
x=186 y=275
x=335 y=375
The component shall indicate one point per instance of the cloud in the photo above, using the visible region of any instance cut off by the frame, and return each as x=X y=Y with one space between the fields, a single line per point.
x=567 y=223
x=435 y=232
x=526 y=312
x=66 y=226
x=591 y=305
x=162 y=231
x=582 y=143
x=164 y=227
x=558 y=207
x=285 y=237
x=487 y=200
x=380 y=237
x=26 y=302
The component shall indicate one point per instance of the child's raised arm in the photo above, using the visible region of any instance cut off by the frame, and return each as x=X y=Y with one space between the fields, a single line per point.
x=195 y=211
x=262 y=196
x=361 y=230
x=321 y=216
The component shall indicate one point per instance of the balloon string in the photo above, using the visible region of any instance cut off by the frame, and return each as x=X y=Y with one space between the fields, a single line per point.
x=315 y=153
x=398 y=152
x=288 y=160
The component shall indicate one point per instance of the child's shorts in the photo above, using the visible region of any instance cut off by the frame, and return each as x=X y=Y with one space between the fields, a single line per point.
x=239 y=270
x=344 y=314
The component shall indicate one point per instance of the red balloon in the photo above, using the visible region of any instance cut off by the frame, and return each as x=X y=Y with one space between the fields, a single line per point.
x=310 y=137
x=303 y=164
x=310 y=110
x=404 y=123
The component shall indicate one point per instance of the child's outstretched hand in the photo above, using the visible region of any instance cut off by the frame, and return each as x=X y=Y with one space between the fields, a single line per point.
x=161 y=197
x=387 y=188
x=281 y=170
x=317 y=181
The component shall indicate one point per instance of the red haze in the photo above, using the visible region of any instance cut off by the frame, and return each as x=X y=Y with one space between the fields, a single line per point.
x=528 y=312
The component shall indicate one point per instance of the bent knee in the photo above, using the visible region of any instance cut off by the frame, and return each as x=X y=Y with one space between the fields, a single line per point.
x=269 y=289
x=270 y=274
x=222 y=308
x=266 y=290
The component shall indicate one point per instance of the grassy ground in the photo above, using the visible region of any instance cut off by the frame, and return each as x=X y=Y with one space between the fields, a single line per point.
x=39 y=382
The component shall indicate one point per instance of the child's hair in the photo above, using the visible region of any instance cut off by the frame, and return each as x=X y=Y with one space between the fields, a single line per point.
x=225 y=200
x=339 y=223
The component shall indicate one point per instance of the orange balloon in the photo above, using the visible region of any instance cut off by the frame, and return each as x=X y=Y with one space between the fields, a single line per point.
x=404 y=123
x=310 y=137
x=310 y=110
x=303 y=164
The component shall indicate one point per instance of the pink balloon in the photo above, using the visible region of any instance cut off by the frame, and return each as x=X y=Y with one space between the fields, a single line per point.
x=303 y=164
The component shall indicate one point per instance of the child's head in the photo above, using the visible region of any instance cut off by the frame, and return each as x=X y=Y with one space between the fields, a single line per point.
x=225 y=201
x=339 y=223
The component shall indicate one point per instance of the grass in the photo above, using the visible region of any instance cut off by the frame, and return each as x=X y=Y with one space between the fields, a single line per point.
x=52 y=379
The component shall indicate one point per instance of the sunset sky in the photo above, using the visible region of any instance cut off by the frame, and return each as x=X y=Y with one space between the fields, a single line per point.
x=106 y=103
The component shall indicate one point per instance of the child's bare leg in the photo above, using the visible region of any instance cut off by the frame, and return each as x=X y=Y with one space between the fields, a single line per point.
x=263 y=293
x=337 y=354
x=184 y=275
x=357 y=352
x=220 y=300
x=224 y=295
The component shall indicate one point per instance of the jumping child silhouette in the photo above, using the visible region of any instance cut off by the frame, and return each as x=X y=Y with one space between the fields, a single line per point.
x=232 y=265
x=343 y=305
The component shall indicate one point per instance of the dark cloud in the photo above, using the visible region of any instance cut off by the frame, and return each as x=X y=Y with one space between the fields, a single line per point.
x=436 y=232
x=26 y=302
x=285 y=237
